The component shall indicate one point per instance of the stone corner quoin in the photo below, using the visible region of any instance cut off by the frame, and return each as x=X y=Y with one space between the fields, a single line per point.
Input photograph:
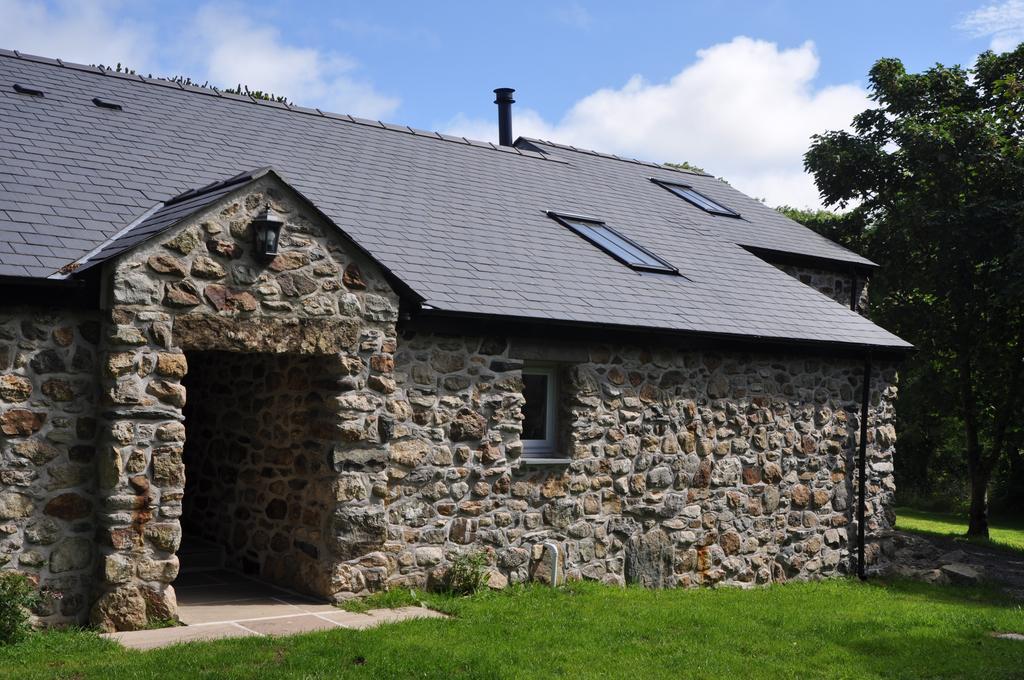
x=281 y=411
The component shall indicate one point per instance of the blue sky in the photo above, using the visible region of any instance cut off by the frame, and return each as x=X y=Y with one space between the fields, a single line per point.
x=737 y=87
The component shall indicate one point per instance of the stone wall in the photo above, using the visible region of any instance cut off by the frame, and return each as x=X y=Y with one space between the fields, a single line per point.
x=686 y=467
x=835 y=285
x=258 y=479
x=47 y=433
x=387 y=457
x=198 y=288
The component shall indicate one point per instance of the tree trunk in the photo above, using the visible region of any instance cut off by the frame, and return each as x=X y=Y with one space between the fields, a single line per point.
x=977 y=470
x=978 y=525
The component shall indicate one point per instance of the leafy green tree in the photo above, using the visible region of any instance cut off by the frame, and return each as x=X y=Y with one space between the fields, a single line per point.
x=930 y=467
x=936 y=171
x=846 y=229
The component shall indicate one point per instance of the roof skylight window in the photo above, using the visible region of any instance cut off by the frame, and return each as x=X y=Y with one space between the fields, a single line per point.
x=698 y=199
x=615 y=244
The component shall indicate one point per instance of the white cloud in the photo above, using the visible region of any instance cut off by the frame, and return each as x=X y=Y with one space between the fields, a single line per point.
x=221 y=45
x=745 y=110
x=1002 y=22
x=234 y=50
x=84 y=31
x=573 y=14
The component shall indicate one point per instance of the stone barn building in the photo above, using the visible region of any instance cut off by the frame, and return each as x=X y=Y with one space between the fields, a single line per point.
x=343 y=352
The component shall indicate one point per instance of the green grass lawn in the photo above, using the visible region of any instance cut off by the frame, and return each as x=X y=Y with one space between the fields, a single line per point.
x=1002 y=533
x=834 y=629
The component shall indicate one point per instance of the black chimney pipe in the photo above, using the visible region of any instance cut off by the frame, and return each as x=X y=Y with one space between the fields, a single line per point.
x=503 y=98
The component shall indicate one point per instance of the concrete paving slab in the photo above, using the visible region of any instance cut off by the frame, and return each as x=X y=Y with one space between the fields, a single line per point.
x=221 y=604
x=376 y=617
x=236 y=610
x=314 y=607
x=290 y=625
x=346 y=619
x=164 y=637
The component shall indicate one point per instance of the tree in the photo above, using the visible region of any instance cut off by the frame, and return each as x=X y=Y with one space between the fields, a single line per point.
x=846 y=229
x=936 y=170
x=930 y=467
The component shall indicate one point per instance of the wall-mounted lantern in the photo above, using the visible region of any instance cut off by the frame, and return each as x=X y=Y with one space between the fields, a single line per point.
x=266 y=233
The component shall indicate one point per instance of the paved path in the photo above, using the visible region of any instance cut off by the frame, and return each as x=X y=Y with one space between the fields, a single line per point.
x=222 y=604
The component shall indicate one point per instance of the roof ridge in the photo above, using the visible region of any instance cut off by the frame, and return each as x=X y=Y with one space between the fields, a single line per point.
x=601 y=154
x=214 y=92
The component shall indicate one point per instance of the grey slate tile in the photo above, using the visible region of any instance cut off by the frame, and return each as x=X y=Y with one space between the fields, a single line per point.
x=458 y=220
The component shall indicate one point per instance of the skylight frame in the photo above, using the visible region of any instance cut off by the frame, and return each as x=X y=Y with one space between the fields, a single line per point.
x=28 y=90
x=715 y=208
x=567 y=220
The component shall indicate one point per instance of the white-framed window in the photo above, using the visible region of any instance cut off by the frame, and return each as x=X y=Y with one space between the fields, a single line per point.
x=540 y=412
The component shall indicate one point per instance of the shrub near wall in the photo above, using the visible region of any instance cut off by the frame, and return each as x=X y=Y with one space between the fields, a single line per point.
x=17 y=595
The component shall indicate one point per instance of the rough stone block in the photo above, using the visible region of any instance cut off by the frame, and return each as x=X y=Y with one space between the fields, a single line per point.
x=14 y=505
x=15 y=388
x=71 y=554
x=20 y=422
x=120 y=609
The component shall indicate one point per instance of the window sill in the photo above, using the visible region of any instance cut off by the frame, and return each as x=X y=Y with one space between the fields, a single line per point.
x=544 y=460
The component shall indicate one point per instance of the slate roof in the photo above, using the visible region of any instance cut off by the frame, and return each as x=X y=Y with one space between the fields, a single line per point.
x=462 y=223
x=159 y=218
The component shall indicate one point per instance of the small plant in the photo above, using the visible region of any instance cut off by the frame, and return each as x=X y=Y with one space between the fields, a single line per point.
x=155 y=624
x=468 y=573
x=17 y=595
x=385 y=599
x=185 y=80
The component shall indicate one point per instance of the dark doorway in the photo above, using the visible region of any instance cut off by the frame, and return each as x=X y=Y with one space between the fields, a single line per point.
x=259 y=481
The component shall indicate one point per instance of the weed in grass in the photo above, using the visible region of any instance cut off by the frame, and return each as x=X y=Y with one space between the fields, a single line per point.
x=468 y=573
x=385 y=599
x=155 y=624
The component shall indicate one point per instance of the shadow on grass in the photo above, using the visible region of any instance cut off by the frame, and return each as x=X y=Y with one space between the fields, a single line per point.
x=889 y=653
x=1005 y=534
x=995 y=546
x=981 y=595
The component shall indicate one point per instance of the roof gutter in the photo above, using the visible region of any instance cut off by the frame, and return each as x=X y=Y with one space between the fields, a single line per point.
x=40 y=282
x=861 y=269
x=445 y=321
x=24 y=291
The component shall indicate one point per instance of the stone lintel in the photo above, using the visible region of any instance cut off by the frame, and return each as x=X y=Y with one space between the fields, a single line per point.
x=547 y=350
x=206 y=332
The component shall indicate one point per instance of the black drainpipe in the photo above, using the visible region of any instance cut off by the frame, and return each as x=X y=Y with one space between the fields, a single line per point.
x=862 y=467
